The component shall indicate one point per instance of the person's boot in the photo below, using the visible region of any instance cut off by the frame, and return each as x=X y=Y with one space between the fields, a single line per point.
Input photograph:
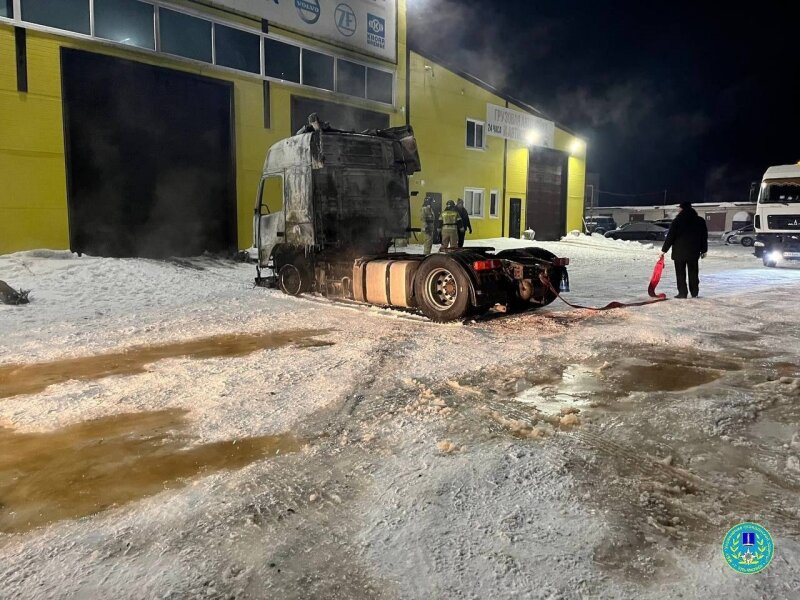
x=682 y=296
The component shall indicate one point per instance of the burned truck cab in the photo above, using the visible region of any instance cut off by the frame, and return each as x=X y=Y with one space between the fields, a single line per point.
x=329 y=197
x=331 y=204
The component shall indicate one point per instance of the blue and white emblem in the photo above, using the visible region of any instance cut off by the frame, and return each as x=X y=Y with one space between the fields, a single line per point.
x=748 y=548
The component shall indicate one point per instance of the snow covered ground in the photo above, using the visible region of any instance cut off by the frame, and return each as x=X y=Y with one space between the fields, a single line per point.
x=365 y=453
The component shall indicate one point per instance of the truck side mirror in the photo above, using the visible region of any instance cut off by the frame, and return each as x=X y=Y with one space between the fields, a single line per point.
x=414 y=194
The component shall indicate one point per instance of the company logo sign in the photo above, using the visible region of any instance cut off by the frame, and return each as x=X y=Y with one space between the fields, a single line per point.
x=748 y=548
x=376 y=31
x=346 y=21
x=308 y=10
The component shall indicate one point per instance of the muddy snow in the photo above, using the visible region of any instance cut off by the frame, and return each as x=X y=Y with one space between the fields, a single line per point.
x=168 y=430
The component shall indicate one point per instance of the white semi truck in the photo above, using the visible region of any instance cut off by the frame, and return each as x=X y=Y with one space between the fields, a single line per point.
x=777 y=221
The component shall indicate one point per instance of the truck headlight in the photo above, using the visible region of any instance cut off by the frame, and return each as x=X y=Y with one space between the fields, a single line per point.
x=775 y=255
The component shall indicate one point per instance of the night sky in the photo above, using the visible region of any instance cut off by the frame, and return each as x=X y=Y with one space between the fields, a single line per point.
x=697 y=98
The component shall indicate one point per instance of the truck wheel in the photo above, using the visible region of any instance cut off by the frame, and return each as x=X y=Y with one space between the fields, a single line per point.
x=747 y=242
x=442 y=289
x=294 y=279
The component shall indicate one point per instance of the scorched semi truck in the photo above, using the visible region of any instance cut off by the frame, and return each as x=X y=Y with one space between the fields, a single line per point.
x=331 y=205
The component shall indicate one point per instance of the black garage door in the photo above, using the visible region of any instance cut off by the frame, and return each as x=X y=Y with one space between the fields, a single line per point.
x=546 y=208
x=150 y=159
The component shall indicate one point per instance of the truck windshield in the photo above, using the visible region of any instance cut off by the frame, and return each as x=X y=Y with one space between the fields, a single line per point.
x=781 y=191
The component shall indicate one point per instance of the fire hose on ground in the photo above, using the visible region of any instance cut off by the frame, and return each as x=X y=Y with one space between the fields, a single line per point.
x=651 y=291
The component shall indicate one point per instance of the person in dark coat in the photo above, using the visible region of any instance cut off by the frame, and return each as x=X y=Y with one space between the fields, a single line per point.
x=688 y=238
x=465 y=224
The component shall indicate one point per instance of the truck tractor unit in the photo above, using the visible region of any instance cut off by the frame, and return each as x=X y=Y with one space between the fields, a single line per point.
x=777 y=220
x=332 y=204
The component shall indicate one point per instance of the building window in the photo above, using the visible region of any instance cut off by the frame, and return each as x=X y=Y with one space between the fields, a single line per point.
x=151 y=25
x=473 y=202
x=475 y=134
x=282 y=61
x=380 y=86
x=184 y=35
x=317 y=69
x=236 y=49
x=493 y=204
x=351 y=78
x=71 y=15
x=125 y=21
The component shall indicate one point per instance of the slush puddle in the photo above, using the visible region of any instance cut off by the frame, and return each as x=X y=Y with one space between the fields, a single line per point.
x=95 y=465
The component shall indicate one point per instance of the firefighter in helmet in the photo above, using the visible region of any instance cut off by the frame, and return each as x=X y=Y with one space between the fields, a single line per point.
x=429 y=223
x=451 y=222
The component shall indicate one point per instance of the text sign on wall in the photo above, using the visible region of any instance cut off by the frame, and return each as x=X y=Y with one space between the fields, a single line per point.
x=366 y=25
x=519 y=126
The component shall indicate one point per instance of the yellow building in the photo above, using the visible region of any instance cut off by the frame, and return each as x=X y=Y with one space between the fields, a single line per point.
x=514 y=168
x=139 y=127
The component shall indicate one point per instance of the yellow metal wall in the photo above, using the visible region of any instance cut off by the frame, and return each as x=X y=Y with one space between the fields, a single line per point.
x=576 y=183
x=33 y=201
x=441 y=103
x=33 y=196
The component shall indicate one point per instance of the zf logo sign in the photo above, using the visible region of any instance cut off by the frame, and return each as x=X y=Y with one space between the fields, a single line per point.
x=376 y=31
x=346 y=21
x=309 y=10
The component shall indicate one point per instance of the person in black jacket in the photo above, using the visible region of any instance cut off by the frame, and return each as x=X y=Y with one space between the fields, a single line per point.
x=688 y=238
x=465 y=224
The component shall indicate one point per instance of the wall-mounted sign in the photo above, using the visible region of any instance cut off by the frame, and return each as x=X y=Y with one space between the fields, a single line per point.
x=368 y=26
x=519 y=127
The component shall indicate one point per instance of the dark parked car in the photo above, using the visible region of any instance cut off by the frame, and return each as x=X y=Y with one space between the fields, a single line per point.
x=599 y=224
x=638 y=230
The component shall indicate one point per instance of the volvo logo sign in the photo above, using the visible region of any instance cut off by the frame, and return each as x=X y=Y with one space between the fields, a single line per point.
x=346 y=21
x=309 y=10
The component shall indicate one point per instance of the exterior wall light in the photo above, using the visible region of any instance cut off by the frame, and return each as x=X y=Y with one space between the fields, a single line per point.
x=532 y=137
x=577 y=146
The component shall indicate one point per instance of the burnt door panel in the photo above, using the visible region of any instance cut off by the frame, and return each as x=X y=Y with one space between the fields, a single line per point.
x=546 y=210
x=150 y=159
x=515 y=218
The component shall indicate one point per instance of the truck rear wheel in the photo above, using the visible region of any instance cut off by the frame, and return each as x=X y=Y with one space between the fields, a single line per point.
x=442 y=289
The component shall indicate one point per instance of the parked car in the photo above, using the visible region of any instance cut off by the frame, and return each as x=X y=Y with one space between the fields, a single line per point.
x=745 y=236
x=638 y=230
x=599 y=224
x=663 y=223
